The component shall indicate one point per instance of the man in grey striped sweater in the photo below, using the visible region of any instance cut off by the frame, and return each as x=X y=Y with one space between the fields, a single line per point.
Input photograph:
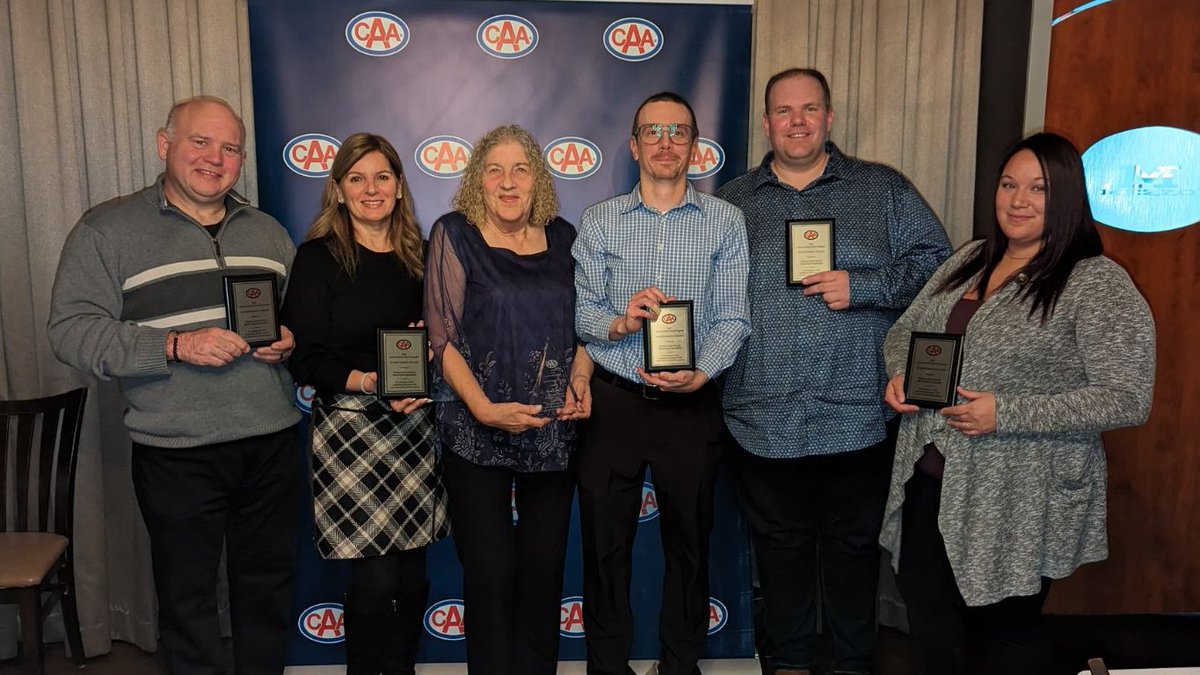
x=139 y=296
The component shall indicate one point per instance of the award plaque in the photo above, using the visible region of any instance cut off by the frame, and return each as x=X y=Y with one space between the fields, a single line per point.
x=252 y=307
x=931 y=375
x=809 y=248
x=403 y=363
x=669 y=341
x=550 y=385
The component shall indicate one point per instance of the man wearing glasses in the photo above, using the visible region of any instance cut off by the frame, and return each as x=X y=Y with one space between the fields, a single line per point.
x=804 y=401
x=662 y=242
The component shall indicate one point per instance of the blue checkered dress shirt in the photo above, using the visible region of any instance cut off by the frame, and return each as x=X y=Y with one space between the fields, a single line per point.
x=809 y=380
x=695 y=251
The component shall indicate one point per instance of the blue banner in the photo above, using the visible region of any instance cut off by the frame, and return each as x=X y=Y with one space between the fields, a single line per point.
x=433 y=77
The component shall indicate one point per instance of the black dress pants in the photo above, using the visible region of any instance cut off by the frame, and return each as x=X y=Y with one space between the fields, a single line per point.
x=241 y=495
x=815 y=525
x=1003 y=638
x=679 y=438
x=512 y=574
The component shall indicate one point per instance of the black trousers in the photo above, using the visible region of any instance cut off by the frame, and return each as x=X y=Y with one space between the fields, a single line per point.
x=384 y=608
x=241 y=494
x=512 y=575
x=815 y=526
x=1004 y=638
x=679 y=438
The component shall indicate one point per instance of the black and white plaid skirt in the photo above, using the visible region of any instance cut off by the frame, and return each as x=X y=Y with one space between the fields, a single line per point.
x=377 y=485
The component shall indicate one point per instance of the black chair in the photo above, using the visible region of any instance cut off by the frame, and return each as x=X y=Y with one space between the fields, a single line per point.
x=39 y=444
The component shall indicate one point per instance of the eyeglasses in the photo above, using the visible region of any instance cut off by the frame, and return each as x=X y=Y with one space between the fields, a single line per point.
x=680 y=134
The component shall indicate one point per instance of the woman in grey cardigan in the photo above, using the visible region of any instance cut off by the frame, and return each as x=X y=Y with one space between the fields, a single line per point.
x=993 y=497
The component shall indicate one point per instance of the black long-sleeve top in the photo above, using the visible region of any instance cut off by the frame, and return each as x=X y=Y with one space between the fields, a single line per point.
x=334 y=317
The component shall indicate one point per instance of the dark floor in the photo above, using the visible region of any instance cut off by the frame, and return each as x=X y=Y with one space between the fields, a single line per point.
x=1122 y=641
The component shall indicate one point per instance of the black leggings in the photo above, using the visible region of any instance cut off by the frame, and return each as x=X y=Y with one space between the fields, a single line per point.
x=376 y=581
x=1004 y=638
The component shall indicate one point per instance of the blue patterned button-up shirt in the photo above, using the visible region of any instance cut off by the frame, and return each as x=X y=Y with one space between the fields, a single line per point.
x=695 y=251
x=809 y=380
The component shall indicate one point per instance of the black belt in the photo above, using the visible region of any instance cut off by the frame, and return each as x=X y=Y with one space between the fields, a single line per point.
x=648 y=391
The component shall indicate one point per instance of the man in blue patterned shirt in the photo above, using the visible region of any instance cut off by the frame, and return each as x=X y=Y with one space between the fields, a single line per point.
x=662 y=241
x=804 y=400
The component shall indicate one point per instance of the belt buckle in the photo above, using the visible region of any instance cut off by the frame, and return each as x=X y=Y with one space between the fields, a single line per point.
x=651 y=393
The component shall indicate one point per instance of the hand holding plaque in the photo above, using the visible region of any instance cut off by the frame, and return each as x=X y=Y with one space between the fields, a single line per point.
x=809 y=248
x=252 y=307
x=403 y=363
x=931 y=374
x=669 y=341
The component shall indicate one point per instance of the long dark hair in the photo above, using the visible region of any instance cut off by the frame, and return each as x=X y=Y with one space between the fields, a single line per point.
x=1069 y=233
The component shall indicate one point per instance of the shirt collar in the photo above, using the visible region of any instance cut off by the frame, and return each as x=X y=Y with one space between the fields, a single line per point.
x=233 y=200
x=836 y=167
x=633 y=200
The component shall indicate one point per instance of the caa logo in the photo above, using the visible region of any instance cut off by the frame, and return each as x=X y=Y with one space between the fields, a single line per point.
x=668 y=319
x=811 y=235
x=507 y=36
x=718 y=616
x=253 y=293
x=443 y=156
x=444 y=620
x=933 y=350
x=377 y=33
x=403 y=344
x=322 y=623
x=707 y=158
x=304 y=397
x=570 y=617
x=649 y=503
x=573 y=158
x=633 y=39
x=311 y=155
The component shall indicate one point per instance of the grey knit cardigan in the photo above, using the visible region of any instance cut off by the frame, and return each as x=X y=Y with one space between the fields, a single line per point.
x=1029 y=500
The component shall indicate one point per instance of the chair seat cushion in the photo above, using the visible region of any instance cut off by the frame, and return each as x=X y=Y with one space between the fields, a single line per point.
x=26 y=557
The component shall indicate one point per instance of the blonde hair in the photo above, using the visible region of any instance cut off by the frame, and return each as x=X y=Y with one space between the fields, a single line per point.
x=333 y=221
x=469 y=198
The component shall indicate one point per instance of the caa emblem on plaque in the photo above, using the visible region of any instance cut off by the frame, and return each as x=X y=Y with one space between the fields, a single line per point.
x=718 y=616
x=443 y=156
x=668 y=319
x=933 y=350
x=403 y=344
x=377 y=33
x=649 y=503
x=322 y=623
x=707 y=159
x=507 y=36
x=811 y=234
x=311 y=155
x=633 y=39
x=253 y=293
x=573 y=158
x=570 y=617
x=444 y=620
x=304 y=397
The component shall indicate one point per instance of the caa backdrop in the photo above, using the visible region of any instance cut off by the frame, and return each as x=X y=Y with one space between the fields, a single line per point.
x=432 y=77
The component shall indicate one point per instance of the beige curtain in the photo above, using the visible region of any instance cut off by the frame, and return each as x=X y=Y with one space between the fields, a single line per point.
x=84 y=84
x=904 y=76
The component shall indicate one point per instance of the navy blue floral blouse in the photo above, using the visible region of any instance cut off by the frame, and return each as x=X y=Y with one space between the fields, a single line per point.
x=512 y=317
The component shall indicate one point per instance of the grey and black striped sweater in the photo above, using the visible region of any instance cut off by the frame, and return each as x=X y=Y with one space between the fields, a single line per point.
x=134 y=268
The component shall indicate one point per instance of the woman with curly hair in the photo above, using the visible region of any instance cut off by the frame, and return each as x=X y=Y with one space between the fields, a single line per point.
x=511 y=379
x=378 y=499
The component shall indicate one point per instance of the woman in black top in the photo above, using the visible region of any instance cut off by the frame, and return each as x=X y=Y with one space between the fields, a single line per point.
x=378 y=496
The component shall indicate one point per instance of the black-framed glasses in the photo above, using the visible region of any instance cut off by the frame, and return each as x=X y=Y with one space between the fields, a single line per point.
x=680 y=134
